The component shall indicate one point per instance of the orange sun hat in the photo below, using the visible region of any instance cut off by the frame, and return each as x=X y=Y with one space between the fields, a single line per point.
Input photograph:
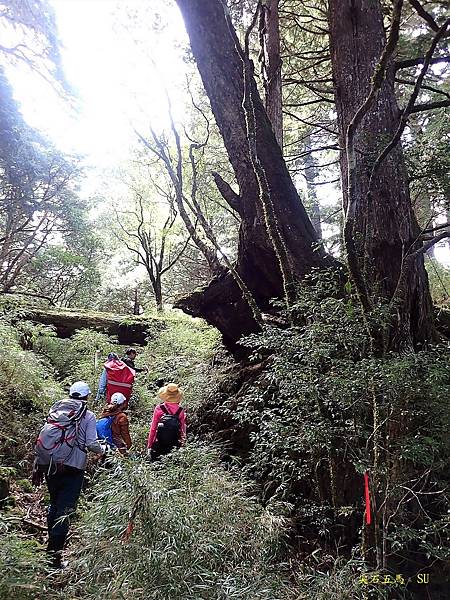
x=171 y=393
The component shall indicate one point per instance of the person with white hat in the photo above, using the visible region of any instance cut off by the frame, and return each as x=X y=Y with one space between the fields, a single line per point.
x=113 y=423
x=61 y=457
x=168 y=427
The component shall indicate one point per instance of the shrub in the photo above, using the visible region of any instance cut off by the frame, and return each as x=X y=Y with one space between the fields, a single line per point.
x=327 y=409
x=439 y=278
x=28 y=389
x=75 y=358
x=181 y=529
x=182 y=353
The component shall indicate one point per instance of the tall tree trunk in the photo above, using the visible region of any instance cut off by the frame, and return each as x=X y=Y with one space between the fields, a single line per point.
x=136 y=302
x=215 y=48
x=310 y=176
x=272 y=68
x=158 y=294
x=385 y=227
x=447 y=243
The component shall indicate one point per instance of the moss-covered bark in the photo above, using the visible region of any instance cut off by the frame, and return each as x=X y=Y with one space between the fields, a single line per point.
x=129 y=329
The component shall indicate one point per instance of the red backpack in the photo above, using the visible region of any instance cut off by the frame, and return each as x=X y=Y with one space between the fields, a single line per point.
x=119 y=378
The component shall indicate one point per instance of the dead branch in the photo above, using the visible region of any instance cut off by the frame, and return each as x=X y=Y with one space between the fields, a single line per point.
x=429 y=106
x=430 y=88
x=429 y=244
x=424 y=14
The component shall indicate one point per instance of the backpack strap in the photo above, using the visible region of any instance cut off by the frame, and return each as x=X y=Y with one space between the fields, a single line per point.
x=81 y=412
x=77 y=421
x=178 y=413
x=164 y=409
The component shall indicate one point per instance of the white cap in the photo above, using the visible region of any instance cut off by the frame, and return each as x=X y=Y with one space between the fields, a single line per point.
x=79 y=389
x=118 y=398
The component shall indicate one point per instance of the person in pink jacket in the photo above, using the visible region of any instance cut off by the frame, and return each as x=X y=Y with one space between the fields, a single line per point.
x=168 y=427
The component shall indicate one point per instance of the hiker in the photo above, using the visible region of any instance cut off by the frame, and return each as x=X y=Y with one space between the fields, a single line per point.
x=61 y=457
x=130 y=357
x=119 y=378
x=112 y=426
x=168 y=428
x=103 y=378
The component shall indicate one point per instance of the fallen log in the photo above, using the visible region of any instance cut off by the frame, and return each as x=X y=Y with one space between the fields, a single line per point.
x=129 y=329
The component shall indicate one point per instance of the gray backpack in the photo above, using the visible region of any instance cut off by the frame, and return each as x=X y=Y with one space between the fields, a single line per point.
x=59 y=436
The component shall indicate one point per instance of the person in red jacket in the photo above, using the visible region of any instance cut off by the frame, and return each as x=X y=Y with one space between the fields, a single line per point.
x=119 y=378
x=168 y=427
x=118 y=375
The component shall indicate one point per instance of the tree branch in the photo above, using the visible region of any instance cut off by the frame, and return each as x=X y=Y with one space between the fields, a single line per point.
x=414 y=62
x=437 y=228
x=429 y=244
x=424 y=87
x=424 y=14
x=227 y=192
x=429 y=106
x=30 y=294
x=409 y=107
x=177 y=257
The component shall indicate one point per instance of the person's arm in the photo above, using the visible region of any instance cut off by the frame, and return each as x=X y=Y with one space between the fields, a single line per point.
x=157 y=414
x=130 y=363
x=124 y=430
x=183 y=427
x=102 y=385
x=92 y=442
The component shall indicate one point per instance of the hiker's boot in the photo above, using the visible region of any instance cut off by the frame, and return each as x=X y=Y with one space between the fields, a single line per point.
x=56 y=561
x=54 y=549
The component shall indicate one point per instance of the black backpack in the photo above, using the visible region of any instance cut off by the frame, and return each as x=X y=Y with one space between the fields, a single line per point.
x=168 y=435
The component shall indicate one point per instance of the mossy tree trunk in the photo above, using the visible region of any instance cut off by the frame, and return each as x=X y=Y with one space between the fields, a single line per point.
x=217 y=52
x=384 y=229
x=270 y=26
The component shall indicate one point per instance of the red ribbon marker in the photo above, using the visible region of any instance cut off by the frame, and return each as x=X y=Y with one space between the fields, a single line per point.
x=367 y=495
x=128 y=531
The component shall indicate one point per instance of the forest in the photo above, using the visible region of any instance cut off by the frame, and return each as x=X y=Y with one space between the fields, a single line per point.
x=254 y=195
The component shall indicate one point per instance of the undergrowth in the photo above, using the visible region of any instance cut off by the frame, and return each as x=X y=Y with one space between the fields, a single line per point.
x=319 y=411
x=183 y=529
x=22 y=564
x=28 y=388
x=325 y=410
x=182 y=353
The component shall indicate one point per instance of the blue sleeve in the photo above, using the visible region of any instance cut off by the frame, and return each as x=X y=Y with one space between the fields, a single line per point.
x=102 y=384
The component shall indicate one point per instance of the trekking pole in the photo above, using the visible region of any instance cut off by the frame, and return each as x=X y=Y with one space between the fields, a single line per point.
x=96 y=357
